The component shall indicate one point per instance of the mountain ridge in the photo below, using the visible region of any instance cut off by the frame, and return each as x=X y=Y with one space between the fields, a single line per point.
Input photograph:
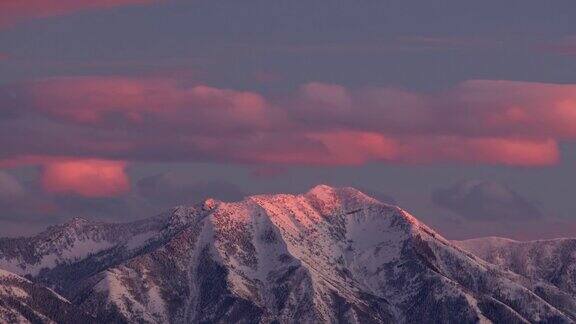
x=329 y=255
x=551 y=260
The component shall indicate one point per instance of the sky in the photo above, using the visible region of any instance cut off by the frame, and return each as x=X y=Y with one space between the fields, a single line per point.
x=462 y=113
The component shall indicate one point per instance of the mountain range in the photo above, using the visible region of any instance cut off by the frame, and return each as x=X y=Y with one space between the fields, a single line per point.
x=331 y=255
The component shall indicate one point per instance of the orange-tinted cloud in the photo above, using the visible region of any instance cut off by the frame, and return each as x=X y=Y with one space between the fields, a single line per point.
x=89 y=178
x=13 y=11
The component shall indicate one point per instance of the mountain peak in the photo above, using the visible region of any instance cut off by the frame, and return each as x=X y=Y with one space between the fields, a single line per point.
x=329 y=255
x=77 y=221
x=347 y=197
x=210 y=203
x=321 y=188
x=72 y=225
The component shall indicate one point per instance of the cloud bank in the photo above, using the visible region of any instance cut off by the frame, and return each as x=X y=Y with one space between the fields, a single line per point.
x=88 y=129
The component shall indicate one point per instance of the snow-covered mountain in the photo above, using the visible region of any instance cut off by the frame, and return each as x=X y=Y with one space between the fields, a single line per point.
x=330 y=255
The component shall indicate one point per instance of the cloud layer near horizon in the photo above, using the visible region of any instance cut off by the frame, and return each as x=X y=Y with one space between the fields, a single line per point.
x=94 y=125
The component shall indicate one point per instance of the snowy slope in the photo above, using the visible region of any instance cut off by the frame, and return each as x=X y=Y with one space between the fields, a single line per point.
x=329 y=255
x=65 y=253
x=22 y=301
x=552 y=261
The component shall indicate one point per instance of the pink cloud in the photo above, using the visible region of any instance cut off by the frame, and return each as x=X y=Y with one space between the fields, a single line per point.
x=503 y=151
x=100 y=100
x=88 y=178
x=564 y=46
x=27 y=160
x=514 y=108
x=164 y=119
x=13 y=11
x=357 y=148
x=483 y=108
x=324 y=148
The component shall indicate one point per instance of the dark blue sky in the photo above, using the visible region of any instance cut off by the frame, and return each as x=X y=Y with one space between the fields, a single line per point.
x=460 y=112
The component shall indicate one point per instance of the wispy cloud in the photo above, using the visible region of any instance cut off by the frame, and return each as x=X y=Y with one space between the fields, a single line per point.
x=447 y=43
x=564 y=46
x=376 y=46
x=15 y=11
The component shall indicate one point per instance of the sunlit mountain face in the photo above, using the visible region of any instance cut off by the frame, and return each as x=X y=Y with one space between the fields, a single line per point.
x=115 y=112
x=331 y=255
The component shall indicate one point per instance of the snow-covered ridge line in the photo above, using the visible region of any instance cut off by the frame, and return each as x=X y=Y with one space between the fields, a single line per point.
x=509 y=240
x=329 y=255
x=79 y=239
